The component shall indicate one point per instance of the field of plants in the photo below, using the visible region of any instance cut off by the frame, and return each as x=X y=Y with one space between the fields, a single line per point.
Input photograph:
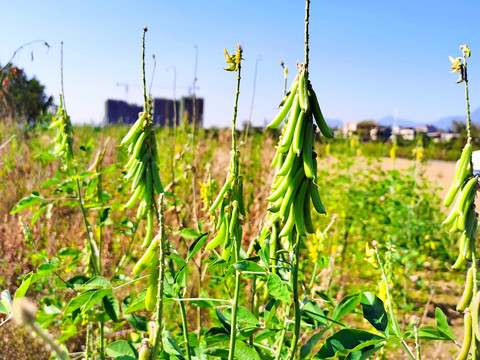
x=150 y=243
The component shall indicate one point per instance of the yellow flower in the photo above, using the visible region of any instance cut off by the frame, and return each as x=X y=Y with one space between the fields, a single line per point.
x=315 y=246
x=456 y=64
x=233 y=59
x=465 y=50
x=370 y=255
x=393 y=151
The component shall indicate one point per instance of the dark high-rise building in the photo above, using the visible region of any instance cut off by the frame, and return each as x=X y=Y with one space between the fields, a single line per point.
x=119 y=112
x=164 y=112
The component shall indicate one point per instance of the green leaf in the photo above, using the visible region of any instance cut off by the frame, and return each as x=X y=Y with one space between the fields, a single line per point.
x=95 y=298
x=38 y=213
x=196 y=245
x=346 y=305
x=77 y=302
x=138 y=303
x=265 y=334
x=278 y=289
x=443 y=323
x=68 y=252
x=5 y=302
x=216 y=352
x=223 y=320
x=26 y=202
x=245 y=352
x=190 y=234
x=347 y=341
x=270 y=310
x=248 y=266
x=22 y=290
x=109 y=169
x=430 y=333
x=244 y=317
x=112 y=308
x=98 y=282
x=138 y=322
x=170 y=345
x=374 y=311
x=313 y=311
x=121 y=348
x=306 y=349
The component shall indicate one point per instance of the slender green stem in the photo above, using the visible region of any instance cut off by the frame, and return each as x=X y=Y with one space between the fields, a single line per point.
x=390 y=303
x=233 y=322
x=161 y=264
x=91 y=242
x=201 y=299
x=87 y=342
x=417 y=341
x=307 y=20
x=282 y=335
x=174 y=145
x=143 y=67
x=465 y=79
x=194 y=153
x=127 y=251
x=237 y=241
x=296 y=302
x=131 y=282
x=183 y=313
x=102 y=336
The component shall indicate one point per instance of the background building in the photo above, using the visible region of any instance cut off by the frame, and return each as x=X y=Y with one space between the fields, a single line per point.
x=120 y=112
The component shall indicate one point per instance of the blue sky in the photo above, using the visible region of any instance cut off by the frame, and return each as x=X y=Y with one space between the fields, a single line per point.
x=367 y=57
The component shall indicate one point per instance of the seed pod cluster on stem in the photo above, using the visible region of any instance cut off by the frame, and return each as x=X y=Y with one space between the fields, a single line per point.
x=295 y=180
x=143 y=173
x=64 y=138
x=463 y=219
x=230 y=198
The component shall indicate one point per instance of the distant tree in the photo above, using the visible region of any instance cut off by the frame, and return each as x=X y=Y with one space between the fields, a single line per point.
x=21 y=98
x=363 y=129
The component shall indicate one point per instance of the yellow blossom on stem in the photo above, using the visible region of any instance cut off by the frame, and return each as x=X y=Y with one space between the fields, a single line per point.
x=456 y=64
x=465 y=50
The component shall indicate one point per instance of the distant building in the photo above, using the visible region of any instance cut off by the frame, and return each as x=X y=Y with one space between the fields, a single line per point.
x=405 y=132
x=380 y=133
x=164 y=112
x=119 y=112
x=350 y=128
x=448 y=136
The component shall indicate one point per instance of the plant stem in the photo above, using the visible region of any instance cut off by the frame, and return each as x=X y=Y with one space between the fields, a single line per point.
x=390 y=304
x=185 y=329
x=143 y=67
x=282 y=336
x=307 y=19
x=174 y=145
x=237 y=241
x=127 y=251
x=465 y=79
x=161 y=278
x=296 y=303
x=102 y=351
x=91 y=242
x=194 y=153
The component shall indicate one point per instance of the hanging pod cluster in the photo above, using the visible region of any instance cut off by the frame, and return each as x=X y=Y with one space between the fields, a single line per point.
x=231 y=204
x=143 y=170
x=64 y=138
x=462 y=217
x=295 y=180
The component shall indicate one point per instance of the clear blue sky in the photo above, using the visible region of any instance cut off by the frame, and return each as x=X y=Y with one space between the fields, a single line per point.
x=367 y=57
